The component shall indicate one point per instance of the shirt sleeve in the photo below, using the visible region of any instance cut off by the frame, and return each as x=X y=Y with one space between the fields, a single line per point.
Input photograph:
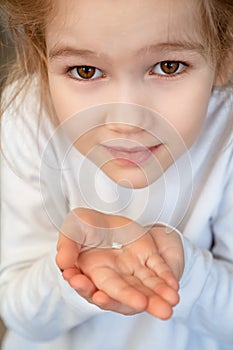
x=35 y=301
x=206 y=288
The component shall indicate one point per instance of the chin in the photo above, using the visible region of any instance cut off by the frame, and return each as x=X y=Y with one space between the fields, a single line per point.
x=134 y=177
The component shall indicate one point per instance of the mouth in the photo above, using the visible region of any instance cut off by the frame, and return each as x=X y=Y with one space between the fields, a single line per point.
x=131 y=156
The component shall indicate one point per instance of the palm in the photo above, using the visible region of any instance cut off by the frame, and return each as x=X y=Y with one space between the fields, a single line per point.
x=135 y=276
x=141 y=276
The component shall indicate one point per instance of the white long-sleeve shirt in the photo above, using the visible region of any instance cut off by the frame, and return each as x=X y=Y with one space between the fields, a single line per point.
x=41 y=310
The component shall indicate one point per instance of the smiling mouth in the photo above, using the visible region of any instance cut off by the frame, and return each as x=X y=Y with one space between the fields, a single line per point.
x=133 y=156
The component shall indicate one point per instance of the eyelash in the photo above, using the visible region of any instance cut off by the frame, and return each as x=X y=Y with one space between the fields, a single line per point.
x=70 y=69
x=102 y=75
x=181 y=69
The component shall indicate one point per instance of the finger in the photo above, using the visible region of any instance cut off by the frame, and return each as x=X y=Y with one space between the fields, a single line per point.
x=69 y=273
x=83 y=285
x=111 y=228
x=159 y=308
x=102 y=300
x=170 y=279
x=157 y=285
x=156 y=305
x=161 y=269
x=67 y=252
x=160 y=288
x=170 y=247
x=125 y=292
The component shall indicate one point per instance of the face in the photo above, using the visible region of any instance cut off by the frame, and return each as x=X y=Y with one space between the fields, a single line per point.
x=135 y=80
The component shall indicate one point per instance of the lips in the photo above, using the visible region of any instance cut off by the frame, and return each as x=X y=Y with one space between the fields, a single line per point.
x=131 y=156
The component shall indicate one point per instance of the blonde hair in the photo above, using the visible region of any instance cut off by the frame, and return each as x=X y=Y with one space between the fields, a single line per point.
x=27 y=21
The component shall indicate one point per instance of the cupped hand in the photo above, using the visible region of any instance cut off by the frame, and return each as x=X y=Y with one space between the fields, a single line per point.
x=140 y=276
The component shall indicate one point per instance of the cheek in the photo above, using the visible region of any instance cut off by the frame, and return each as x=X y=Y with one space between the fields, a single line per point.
x=58 y=96
x=65 y=100
x=69 y=99
x=86 y=143
x=196 y=117
x=188 y=110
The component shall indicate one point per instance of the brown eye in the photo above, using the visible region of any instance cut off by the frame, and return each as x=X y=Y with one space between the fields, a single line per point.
x=168 y=68
x=85 y=73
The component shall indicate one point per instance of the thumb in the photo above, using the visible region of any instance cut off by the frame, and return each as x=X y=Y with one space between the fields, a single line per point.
x=91 y=228
x=67 y=252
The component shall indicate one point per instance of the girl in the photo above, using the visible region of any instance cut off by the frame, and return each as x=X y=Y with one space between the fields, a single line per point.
x=116 y=176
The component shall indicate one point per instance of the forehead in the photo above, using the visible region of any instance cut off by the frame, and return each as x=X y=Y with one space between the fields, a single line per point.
x=125 y=24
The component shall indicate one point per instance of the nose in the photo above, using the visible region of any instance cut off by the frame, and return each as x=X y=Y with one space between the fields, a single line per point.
x=124 y=118
x=128 y=118
x=128 y=113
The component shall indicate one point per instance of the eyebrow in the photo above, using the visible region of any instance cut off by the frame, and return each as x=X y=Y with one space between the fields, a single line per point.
x=69 y=51
x=175 y=46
